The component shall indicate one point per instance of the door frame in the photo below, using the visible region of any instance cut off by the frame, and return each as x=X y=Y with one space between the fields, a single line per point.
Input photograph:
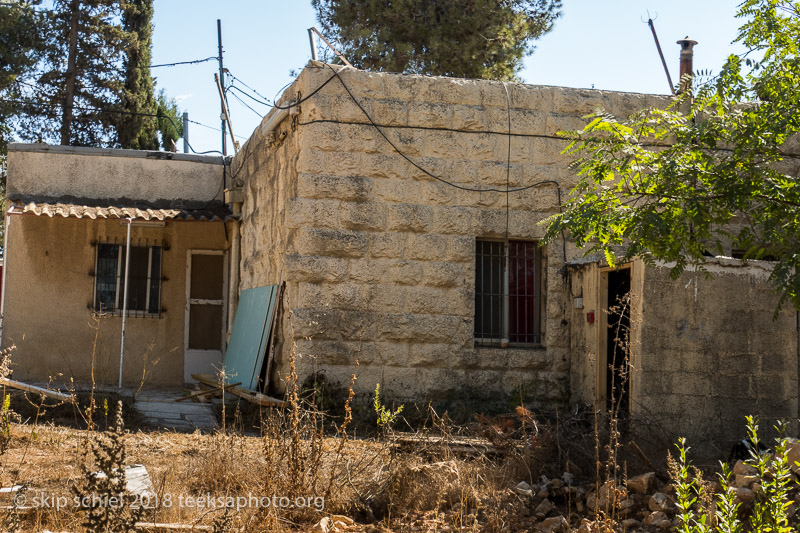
x=187 y=352
x=601 y=380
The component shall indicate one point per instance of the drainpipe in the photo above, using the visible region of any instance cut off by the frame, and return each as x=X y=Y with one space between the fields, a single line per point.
x=5 y=272
x=125 y=301
x=687 y=69
x=234 y=197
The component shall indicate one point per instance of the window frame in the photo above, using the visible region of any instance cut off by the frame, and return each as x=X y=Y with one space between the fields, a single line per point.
x=119 y=277
x=504 y=339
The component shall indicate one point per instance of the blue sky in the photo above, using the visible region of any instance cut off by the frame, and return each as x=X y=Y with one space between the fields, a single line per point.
x=597 y=43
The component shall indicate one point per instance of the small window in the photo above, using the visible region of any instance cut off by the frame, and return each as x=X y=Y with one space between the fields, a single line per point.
x=507 y=293
x=144 y=281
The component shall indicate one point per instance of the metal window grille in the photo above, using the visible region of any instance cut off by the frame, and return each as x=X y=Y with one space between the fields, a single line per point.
x=144 y=281
x=507 y=293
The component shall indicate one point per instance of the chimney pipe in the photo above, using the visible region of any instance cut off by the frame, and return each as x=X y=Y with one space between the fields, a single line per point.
x=687 y=70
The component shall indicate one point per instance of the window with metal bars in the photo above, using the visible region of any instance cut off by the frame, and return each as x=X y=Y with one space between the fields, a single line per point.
x=144 y=281
x=507 y=293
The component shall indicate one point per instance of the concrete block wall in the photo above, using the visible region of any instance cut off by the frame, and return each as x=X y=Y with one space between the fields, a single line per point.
x=711 y=351
x=379 y=257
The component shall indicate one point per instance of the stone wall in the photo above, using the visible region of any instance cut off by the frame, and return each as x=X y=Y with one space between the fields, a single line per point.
x=710 y=351
x=379 y=257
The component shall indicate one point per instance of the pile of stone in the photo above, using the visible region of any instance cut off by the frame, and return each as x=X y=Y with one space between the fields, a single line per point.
x=644 y=504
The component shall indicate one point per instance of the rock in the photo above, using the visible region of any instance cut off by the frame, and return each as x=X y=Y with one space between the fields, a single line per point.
x=744 y=469
x=631 y=523
x=663 y=525
x=586 y=526
x=556 y=483
x=324 y=526
x=544 y=507
x=742 y=480
x=523 y=489
x=744 y=495
x=793 y=456
x=341 y=521
x=655 y=517
x=660 y=502
x=627 y=507
x=556 y=524
x=643 y=484
x=603 y=500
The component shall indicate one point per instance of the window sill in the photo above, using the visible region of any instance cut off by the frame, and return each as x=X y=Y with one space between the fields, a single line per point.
x=129 y=314
x=483 y=345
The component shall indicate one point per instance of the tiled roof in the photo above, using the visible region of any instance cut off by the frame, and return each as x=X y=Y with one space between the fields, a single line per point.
x=122 y=213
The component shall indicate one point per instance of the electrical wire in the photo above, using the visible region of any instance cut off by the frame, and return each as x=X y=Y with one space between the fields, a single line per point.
x=246 y=105
x=120 y=112
x=451 y=184
x=256 y=100
x=192 y=62
x=243 y=83
x=420 y=168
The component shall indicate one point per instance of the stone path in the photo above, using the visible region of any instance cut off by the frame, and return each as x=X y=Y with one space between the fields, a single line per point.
x=159 y=409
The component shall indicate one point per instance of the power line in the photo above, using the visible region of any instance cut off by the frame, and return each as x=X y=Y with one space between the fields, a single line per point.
x=246 y=105
x=117 y=111
x=192 y=62
x=256 y=100
x=243 y=83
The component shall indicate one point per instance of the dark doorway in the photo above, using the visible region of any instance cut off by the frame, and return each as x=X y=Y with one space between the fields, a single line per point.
x=617 y=343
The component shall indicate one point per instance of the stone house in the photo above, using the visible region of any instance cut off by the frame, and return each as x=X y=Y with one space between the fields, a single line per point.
x=380 y=200
x=67 y=222
x=403 y=214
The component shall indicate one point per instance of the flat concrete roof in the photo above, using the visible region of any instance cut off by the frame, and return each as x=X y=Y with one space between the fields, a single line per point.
x=113 y=152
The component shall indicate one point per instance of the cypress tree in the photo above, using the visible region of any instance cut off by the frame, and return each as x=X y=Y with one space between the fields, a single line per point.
x=136 y=131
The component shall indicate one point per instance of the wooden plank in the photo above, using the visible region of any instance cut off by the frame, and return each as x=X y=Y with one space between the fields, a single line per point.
x=250 y=396
x=34 y=389
x=209 y=391
x=172 y=527
x=270 y=356
x=265 y=337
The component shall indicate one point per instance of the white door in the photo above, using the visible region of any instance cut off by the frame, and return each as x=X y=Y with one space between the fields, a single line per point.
x=206 y=283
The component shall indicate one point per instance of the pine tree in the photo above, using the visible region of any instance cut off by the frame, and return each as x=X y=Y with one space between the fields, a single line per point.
x=136 y=131
x=74 y=96
x=461 y=38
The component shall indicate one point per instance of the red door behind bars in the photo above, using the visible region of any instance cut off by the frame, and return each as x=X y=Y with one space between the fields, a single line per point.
x=523 y=291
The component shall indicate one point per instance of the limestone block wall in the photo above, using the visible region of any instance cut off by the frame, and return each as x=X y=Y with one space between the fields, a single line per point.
x=709 y=353
x=379 y=256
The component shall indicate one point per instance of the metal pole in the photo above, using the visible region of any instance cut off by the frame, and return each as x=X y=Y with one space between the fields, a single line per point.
x=225 y=113
x=660 y=53
x=125 y=301
x=5 y=272
x=221 y=77
x=185 y=132
x=313 y=42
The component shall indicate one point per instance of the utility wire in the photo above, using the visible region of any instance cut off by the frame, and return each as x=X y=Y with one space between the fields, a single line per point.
x=418 y=167
x=246 y=104
x=120 y=112
x=192 y=62
x=256 y=100
x=243 y=83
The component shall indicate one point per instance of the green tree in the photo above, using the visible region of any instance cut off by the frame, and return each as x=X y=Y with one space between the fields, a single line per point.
x=716 y=170
x=170 y=121
x=79 y=74
x=460 y=38
x=134 y=129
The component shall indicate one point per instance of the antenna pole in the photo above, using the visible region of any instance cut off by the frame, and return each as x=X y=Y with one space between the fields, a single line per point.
x=660 y=53
x=185 y=132
x=221 y=77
